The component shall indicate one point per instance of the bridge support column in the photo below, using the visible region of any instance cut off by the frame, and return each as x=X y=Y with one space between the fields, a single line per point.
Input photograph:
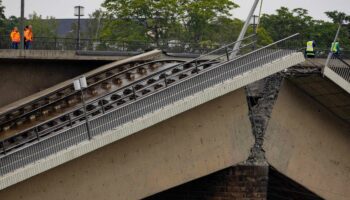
x=238 y=182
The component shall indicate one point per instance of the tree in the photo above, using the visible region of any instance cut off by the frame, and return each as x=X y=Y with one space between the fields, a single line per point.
x=124 y=30
x=338 y=17
x=43 y=27
x=2 y=11
x=229 y=30
x=286 y=22
x=95 y=25
x=155 y=16
x=162 y=19
x=2 y=19
x=196 y=15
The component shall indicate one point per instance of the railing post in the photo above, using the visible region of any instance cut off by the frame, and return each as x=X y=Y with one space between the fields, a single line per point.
x=37 y=133
x=227 y=55
x=196 y=67
x=86 y=115
x=70 y=120
x=3 y=146
x=102 y=107
x=134 y=92
x=55 y=43
x=165 y=81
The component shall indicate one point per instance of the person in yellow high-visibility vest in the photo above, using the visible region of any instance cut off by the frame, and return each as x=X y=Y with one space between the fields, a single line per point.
x=310 y=49
x=335 y=48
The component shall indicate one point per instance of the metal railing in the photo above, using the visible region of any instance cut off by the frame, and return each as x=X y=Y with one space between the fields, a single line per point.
x=323 y=53
x=340 y=66
x=112 y=114
x=172 y=46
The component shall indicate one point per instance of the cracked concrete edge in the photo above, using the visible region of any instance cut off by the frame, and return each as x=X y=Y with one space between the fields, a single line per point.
x=149 y=120
x=265 y=92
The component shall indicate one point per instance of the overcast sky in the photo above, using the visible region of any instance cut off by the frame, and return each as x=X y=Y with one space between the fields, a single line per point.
x=64 y=8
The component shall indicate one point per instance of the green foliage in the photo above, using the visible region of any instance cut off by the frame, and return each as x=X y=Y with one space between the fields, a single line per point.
x=156 y=17
x=229 y=30
x=196 y=15
x=95 y=25
x=9 y=24
x=164 y=19
x=338 y=17
x=2 y=19
x=2 y=11
x=286 y=22
x=124 y=30
x=42 y=27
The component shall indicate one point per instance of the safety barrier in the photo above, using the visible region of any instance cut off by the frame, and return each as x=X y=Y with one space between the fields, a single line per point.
x=338 y=70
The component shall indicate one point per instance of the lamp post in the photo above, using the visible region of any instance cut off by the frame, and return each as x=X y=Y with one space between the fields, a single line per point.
x=79 y=85
x=21 y=28
x=79 y=12
x=254 y=21
x=244 y=30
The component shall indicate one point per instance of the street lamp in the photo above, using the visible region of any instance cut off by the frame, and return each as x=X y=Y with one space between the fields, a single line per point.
x=79 y=12
x=254 y=21
x=79 y=85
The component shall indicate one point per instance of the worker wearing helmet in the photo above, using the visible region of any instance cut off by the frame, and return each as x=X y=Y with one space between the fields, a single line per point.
x=310 y=49
x=15 y=38
x=28 y=37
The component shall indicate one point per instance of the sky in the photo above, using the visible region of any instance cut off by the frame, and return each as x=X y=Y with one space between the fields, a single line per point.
x=65 y=8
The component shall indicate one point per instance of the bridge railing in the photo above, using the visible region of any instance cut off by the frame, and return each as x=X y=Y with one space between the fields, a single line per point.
x=173 y=46
x=112 y=115
x=340 y=66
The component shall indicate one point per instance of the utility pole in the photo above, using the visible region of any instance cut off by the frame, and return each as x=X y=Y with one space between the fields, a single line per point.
x=21 y=28
x=244 y=30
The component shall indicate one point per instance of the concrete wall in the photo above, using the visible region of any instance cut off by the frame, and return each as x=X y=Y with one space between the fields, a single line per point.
x=309 y=144
x=21 y=78
x=206 y=139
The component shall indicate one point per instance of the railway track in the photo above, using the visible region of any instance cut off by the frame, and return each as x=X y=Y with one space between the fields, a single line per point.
x=106 y=90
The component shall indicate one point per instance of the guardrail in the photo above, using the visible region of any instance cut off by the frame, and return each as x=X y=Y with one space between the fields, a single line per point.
x=112 y=114
x=340 y=66
x=172 y=46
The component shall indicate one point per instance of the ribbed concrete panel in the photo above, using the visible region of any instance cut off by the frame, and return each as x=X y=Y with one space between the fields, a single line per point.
x=151 y=119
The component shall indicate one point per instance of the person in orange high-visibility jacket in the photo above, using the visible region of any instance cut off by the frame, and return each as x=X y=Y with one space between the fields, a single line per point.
x=15 y=38
x=28 y=37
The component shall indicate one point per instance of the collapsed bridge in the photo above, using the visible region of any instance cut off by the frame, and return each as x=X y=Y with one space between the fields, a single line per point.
x=124 y=98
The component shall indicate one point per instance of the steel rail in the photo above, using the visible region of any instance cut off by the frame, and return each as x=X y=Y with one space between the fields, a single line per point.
x=74 y=92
